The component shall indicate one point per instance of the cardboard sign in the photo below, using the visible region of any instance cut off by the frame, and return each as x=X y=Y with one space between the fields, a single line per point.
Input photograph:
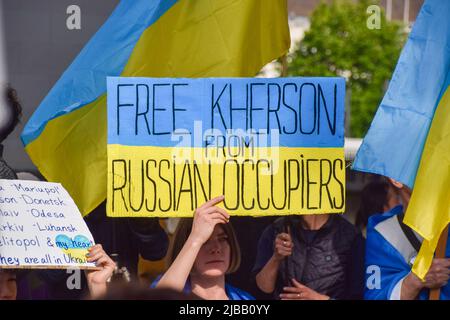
x=41 y=227
x=271 y=146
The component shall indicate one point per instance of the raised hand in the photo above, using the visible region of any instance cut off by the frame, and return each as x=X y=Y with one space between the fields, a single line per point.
x=206 y=218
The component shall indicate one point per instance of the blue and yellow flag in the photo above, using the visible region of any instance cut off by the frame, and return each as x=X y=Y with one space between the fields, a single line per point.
x=400 y=137
x=429 y=208
x=66 y=136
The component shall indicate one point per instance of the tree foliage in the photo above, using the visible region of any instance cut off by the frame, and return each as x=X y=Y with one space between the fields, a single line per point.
x=339 y=43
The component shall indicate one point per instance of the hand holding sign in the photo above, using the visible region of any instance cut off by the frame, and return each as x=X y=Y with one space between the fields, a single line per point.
x=206 y=218
x=283 y=246
x=97 y=279
x=41 y=227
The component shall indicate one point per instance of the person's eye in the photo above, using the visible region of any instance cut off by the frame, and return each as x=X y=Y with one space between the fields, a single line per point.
x=12 y=280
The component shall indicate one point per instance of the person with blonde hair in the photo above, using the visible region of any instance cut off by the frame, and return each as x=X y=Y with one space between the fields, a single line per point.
x=205 y=249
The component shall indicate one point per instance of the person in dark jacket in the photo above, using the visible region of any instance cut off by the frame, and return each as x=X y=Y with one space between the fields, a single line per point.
x=311 y=257
x=10 y=113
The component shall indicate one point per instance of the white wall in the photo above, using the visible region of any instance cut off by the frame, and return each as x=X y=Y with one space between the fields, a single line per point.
x=39 y=48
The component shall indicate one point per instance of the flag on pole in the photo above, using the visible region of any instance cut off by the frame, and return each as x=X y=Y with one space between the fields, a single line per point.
x=394 y=144
x=429 y=208
x=66 y=136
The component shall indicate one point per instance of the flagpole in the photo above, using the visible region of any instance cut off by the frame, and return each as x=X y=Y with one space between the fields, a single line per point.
x=440 y=253
x=287 y=221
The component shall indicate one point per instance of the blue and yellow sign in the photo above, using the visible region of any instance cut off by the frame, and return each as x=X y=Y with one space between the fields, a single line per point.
x=270 y=146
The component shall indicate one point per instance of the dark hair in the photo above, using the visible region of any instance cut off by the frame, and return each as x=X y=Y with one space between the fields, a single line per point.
x=14 y=112
x=184 y=229
x=373 y=198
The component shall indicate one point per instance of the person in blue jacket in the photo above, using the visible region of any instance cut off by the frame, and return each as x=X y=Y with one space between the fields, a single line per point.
x=391 y=248
x=205 y=249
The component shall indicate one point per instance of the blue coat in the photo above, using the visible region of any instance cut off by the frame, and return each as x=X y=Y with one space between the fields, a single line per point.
x=392 y=265
x=232 y=292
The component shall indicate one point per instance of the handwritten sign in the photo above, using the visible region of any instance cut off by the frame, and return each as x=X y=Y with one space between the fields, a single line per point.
x=41 y=227
x=271 y=146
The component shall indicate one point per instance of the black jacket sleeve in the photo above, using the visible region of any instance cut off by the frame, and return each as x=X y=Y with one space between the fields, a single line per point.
x=355 y=270
x=153 y=241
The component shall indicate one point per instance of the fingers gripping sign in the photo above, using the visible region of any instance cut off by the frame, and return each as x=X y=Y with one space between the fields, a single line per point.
x=97 y=279
x=206 y=218
x=105 y=264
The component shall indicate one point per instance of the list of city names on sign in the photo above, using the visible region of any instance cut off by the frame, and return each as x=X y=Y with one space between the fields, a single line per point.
x=41 y=227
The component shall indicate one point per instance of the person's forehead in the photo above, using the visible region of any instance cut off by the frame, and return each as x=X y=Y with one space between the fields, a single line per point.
x=219 y=231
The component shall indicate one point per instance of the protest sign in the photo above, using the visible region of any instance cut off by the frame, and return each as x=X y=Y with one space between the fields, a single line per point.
x=41 y=227
x=270 y=146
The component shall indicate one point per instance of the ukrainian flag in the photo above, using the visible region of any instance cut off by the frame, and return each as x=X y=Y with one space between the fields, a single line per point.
x=429 y=208
x=66 y=136
x=400 y=137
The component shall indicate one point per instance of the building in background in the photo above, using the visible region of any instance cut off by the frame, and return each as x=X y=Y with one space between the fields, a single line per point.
x=299 y=22
x=404 y=10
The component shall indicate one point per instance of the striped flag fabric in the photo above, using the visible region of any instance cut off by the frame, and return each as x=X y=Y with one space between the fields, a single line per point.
x=66 y=136
x=400 y=139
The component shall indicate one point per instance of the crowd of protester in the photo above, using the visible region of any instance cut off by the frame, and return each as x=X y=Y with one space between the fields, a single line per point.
x=308 y=257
